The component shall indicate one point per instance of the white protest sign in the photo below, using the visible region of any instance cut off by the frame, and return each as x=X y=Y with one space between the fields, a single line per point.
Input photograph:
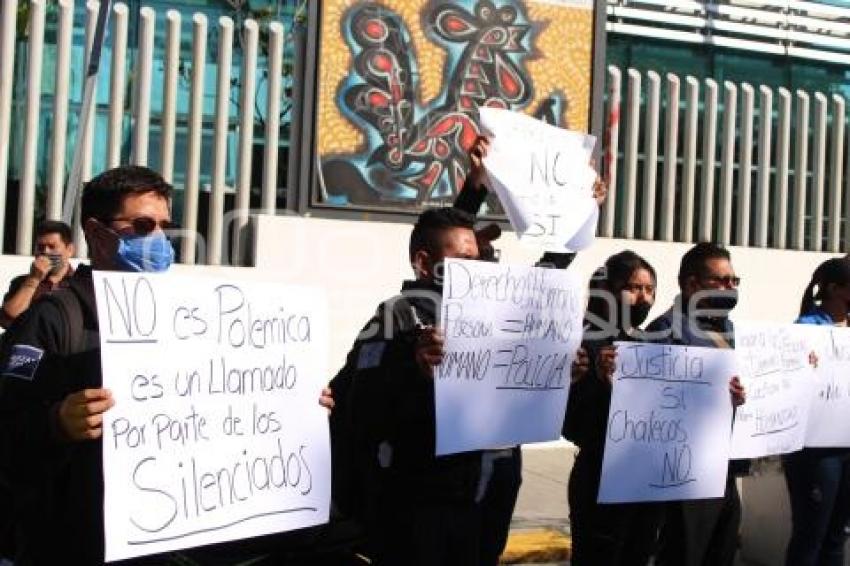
x=829 y=426
x=511 y=336
x=775 y=370
x=669 y=425
x=216 y=433
x=542 y=176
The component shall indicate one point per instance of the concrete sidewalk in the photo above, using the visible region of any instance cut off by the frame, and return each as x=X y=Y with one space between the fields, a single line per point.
x=540 y=530
x=540 y=526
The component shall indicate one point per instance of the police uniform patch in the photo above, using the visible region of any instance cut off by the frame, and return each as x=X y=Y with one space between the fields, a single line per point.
x=23 y=361
x=370 y=355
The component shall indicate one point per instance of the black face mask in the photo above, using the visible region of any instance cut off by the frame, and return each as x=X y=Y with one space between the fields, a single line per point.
x=725 y=300
x=638 y=313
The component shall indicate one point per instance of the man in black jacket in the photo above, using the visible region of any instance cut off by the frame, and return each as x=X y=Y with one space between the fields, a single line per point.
x=419 y=508
x=51 y=399
x=703 y=532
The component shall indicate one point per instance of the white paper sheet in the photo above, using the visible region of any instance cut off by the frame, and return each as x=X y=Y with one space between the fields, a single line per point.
x=669 y=425
x=775 y=370
x=511 y=336
x=216 y=433
x=829 y=425
x=542 y=176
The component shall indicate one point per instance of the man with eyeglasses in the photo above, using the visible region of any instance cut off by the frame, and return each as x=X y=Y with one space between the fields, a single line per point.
x=51 y=399
x=703 y=532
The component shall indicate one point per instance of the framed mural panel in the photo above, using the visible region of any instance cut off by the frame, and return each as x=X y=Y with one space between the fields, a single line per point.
x=397 y=85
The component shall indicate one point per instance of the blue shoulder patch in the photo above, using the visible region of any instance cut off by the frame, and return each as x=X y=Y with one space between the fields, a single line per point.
x=370 y=355
x=23 y=361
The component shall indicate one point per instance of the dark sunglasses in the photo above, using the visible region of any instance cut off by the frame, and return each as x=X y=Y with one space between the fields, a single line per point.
x=144 y=225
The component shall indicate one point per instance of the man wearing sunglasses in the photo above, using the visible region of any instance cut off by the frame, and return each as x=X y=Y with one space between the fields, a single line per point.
x=703 y=532
x=51 y=399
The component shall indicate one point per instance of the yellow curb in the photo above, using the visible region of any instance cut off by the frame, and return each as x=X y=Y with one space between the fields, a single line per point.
x=534 y=546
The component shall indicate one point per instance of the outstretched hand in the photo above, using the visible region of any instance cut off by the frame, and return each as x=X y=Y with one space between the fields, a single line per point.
x=477 y=153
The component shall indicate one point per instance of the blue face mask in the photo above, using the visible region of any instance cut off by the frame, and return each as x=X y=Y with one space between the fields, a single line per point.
x=144 y=253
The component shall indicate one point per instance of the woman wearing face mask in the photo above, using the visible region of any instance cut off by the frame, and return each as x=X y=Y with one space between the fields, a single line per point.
x=622 y=293
x=818 y=479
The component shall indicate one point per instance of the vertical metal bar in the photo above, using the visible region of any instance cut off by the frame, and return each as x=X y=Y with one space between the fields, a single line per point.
x=709 y=159
x=246 y=143
x=763 y=175
x=846 y=247
x=142 y=100
x=87 y=139
x=745 y=164
x=222 y=115
x=650 y=154
x=188 y=249
x=302 y=106
x=269 y=195
x=671 y=158
x=801 y=166
x=116 y=86
x=818 y=172
x=836 y=168
x=783 y=153
x=169 y=94
x=630 y=159
x=609 y=211
x=35 y=52
x=727 y=163
x=92 y=9
x=59 y=139
x=689 y=162
x=7 y=76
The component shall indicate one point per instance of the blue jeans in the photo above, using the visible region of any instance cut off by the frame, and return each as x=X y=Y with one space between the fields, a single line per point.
x=819 y=489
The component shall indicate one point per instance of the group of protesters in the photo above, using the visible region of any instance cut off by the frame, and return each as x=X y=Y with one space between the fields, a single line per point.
x=413 y=507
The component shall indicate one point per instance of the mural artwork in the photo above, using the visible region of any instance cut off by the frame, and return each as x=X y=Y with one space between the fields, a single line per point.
x=400 y=84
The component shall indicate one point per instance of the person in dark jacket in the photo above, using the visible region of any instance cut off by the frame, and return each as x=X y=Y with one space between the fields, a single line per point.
x=50 y=270
x=51 y=396
x=703 y=532
x=419 y=508
x=501 y=469
x=818 y=479
x=51 y=399
x=622 y=293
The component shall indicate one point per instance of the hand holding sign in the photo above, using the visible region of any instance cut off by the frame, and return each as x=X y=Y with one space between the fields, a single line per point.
x=81 y=413
x=543 y=178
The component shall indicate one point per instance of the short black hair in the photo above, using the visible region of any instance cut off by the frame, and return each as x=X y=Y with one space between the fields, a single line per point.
x=432 y=223
x=104 y=194
x=46 y=227
x=695 y=259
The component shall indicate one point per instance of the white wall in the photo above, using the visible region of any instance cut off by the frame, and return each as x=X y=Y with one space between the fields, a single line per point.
x=360 y=264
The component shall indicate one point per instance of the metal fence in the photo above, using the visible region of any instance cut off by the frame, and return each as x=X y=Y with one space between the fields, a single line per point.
x=209 y=247
x=735 y=163
x=747 y=166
